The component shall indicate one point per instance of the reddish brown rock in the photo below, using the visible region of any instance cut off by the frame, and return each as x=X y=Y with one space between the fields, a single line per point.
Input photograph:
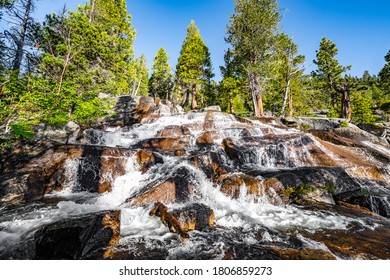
x=231 y=185
x=37 y=177
x=231 y=149
x=164 y=193
x=91 y=236
x=195 y=217
x=180 y=153
x=176 y=189
x=174 y=131
x=145 y=105
x=210 y=164
x=273 y=188
x=209 y=123
x=145 y=159
x=169 y=220
x=208 y=137
x=356 y=207
x=113 y=165
x=166 y=144
x=359 y=243
x=302 y=254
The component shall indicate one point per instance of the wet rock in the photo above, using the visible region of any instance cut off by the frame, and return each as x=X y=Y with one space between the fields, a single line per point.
x=165 y=145
x=302 y=254
x=174 y=131
x=207 y=138
x=92 y=236
x=179 y=188
x=322 y=123
x=96 y=169
x=335 y=179
x=273 y=189
x=145 y=159
x=169 y=220
x=164 y=192
x=212 y=163
x=289 y=121
x=353 y=244
x=212 y=108
x=233 y=185
x=355 y=207
x=370 y=198
x=359 y=135
x=330 y=136
x=231 y=149
x=32 y=180
x=195 y=216
x=113 y=165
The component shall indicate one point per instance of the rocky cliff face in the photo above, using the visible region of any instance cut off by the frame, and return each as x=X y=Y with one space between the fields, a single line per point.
x=271 y=191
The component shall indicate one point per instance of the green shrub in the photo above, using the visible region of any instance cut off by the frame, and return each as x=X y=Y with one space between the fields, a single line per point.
x=22 y=130
x=344 y=124
x=306 y=126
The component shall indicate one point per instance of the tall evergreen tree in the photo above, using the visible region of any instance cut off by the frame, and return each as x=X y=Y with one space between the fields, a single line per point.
x=19 y=37
x=194 y=66
x=86 y=57
x=160 y=82
x=290 y=69
x=232 y=91
x=329 y=73
x=384 y=76
x=252 y=34
x=140 y=83
x=4 y=5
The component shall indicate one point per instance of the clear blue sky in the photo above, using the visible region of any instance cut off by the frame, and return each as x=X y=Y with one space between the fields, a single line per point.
x=360 y=29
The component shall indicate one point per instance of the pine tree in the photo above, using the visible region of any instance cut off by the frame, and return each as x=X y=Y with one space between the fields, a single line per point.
x=290 y=69
x=140 y=83
x=362 y=108
x=160 y=82
x=194 y=66
x=252 y=34
x=329 y=73
x=384 y=76
x=86 y=58
x=231 y=90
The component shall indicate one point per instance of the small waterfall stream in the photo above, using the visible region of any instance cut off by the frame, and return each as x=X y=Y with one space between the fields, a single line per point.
x=247 y=225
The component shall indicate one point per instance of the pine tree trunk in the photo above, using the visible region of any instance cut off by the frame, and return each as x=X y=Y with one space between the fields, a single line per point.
x=93 y=3
x=346 y=110
x=231 y=106
x=194 y=103
x=290 y=105
x=21 y=40
x=259 y=98
x=286 y=94
x=257 y=94
x=167 y=97
x=256 y=108
x=186 y=98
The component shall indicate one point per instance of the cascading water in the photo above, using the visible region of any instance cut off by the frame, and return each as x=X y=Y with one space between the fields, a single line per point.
x=246 y=226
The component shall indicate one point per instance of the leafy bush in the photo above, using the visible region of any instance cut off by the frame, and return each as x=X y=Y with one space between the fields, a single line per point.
x=344 y=124
x=306 y=126
x=295 y=192
x=22 y=130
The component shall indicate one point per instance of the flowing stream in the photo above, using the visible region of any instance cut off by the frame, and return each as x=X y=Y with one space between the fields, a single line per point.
x=242 y=224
